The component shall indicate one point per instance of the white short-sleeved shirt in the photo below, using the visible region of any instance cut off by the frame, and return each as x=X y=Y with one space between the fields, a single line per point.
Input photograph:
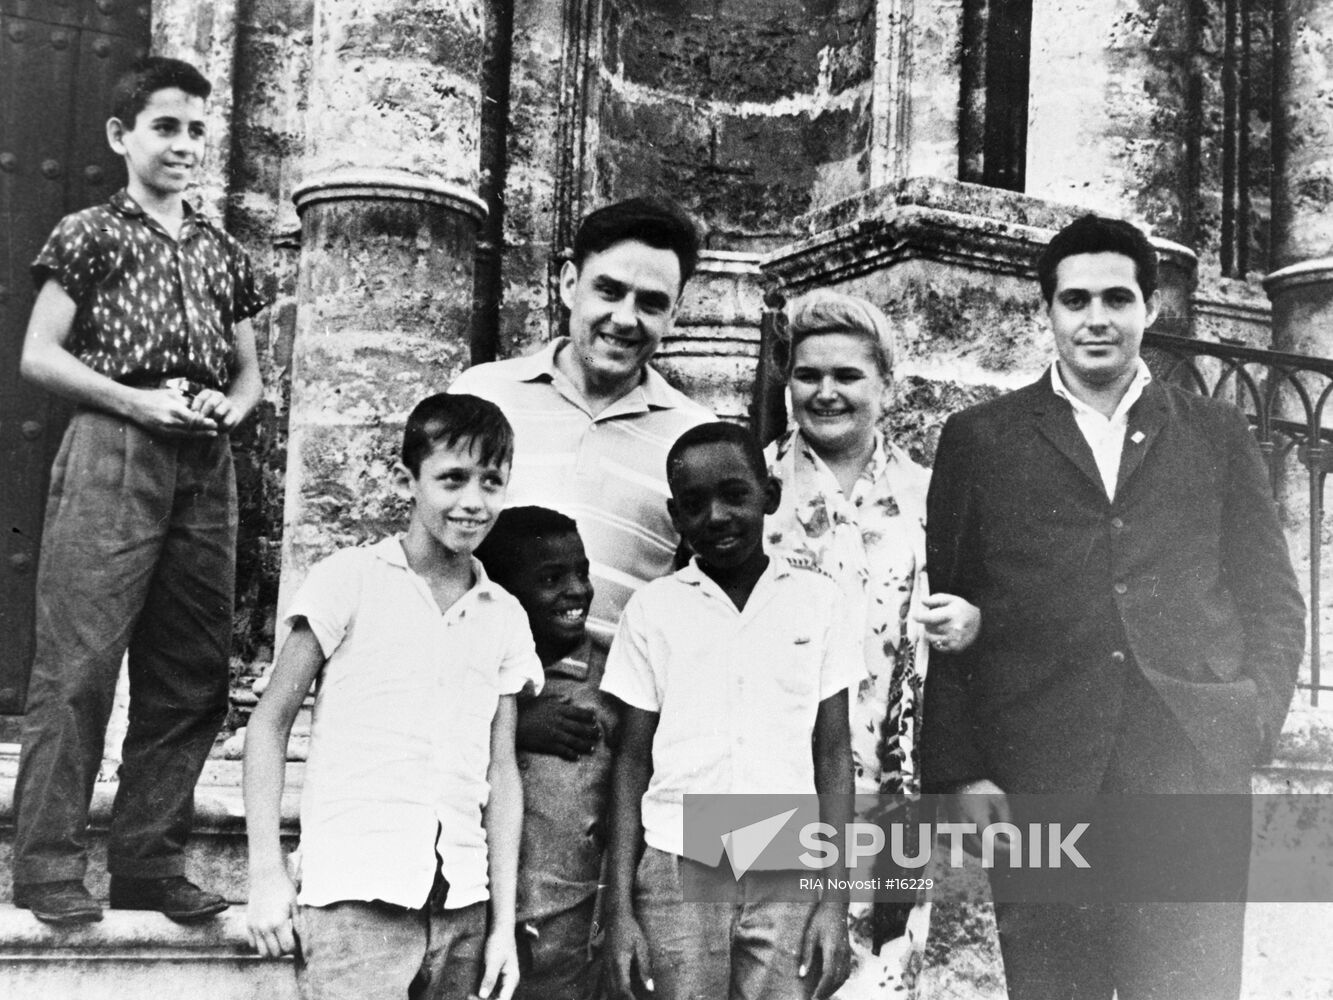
x=737 y=692
x=607 y=472
x=400 y=741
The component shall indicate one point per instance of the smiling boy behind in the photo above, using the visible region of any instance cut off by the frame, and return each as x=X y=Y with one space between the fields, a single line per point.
x=411 y=794
x=565 y=736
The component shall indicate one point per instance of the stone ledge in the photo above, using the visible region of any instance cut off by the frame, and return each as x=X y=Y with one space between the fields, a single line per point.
x=934 y=219
x=386 y=184
x=131 y=932
x=136 y=954
x=1306 y=742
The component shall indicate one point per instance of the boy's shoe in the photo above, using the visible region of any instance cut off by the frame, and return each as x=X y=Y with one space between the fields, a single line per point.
x=65 y=902
x=175 y=897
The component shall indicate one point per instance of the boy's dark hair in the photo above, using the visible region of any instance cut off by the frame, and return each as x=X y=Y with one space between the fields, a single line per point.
x=509 y=542
x=146 y=77
x=1097 y=234
x=718 y=432
x=658 y=222
x=448 y=418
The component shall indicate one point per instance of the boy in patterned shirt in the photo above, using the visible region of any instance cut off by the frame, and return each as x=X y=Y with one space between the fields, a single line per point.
x=140 y=321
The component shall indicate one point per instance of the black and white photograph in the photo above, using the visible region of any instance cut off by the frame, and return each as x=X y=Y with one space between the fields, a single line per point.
x=675 y=499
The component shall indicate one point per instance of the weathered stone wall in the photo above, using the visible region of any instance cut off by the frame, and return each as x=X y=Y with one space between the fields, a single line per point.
x=1303 y=189
x=1108 y=117
x=541 y=147
x=750 y=112
x=927 y=74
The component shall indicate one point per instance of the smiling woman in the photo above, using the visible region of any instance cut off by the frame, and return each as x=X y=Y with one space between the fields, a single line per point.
x=854 y=508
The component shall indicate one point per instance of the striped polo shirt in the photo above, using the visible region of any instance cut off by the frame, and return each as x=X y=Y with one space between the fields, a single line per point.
x=607 y=472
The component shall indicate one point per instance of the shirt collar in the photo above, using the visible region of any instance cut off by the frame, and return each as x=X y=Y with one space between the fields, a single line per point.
x=391 y=550
x=578 y=664
x=124 y=204
x=692 y=573
x=656 y=391
x=1142 y=376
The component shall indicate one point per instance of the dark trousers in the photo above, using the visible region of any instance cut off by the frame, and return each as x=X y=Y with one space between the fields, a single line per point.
x=1179 y=950
x=138 y=554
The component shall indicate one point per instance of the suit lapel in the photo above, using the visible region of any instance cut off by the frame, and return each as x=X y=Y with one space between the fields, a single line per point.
x=1055 y=420
x=1147 y=417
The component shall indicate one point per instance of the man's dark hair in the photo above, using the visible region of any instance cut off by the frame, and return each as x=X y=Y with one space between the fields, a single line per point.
x=658 y=222
x=1097 y=234
x=146 y=77
x=447 y=419
x=718 y=432
x=510 y=541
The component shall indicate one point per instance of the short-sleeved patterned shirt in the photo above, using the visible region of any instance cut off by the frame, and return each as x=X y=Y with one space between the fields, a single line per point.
x=149 y=306
x=873 y=544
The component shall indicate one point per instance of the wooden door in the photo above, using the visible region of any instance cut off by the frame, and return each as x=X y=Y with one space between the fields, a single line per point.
x=58 y=61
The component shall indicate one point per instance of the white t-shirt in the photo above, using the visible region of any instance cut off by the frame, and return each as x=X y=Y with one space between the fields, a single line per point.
x=400 y=741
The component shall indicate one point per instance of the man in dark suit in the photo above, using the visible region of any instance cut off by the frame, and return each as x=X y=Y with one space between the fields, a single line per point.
x=1141 y=623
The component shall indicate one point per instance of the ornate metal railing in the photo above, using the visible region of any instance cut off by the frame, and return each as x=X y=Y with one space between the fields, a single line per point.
x=1285 y=396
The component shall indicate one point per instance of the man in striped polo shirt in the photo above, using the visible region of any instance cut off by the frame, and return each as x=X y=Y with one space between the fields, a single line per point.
x=592 y=421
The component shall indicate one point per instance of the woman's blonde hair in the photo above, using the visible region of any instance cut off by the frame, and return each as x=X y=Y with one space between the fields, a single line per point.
x=825 y=311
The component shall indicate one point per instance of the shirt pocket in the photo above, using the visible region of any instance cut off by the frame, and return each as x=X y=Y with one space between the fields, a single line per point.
x=796 y=674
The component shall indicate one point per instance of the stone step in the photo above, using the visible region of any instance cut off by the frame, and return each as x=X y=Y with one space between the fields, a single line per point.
x=134 y=956
x=216 y=854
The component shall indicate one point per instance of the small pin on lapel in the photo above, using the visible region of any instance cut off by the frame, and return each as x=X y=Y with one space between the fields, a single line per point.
x=1137 y=437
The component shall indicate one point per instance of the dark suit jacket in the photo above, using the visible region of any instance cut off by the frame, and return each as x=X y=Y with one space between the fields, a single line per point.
x=1184 y=577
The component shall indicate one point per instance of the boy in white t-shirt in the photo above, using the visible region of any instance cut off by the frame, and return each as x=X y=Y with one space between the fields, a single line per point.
x=733 y=677
x=412 y=795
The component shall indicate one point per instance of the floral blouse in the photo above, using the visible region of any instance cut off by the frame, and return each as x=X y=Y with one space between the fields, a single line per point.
x=874 y=546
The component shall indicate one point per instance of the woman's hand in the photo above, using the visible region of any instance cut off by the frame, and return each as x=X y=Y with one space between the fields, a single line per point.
x=952 y=624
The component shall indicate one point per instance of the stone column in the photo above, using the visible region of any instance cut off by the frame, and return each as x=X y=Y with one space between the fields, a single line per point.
x=1107 y=111
x=1301 y=288
x=389 y=210
x=712 y=350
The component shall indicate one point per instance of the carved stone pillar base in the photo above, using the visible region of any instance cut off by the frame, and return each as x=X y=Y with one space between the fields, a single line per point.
x=384 y=308
x=711 y=352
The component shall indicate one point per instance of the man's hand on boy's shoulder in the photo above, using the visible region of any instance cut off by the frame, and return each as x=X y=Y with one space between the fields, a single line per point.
x=552 y=724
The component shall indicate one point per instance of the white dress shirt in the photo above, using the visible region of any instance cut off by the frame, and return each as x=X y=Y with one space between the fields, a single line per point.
x=1105 y=435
